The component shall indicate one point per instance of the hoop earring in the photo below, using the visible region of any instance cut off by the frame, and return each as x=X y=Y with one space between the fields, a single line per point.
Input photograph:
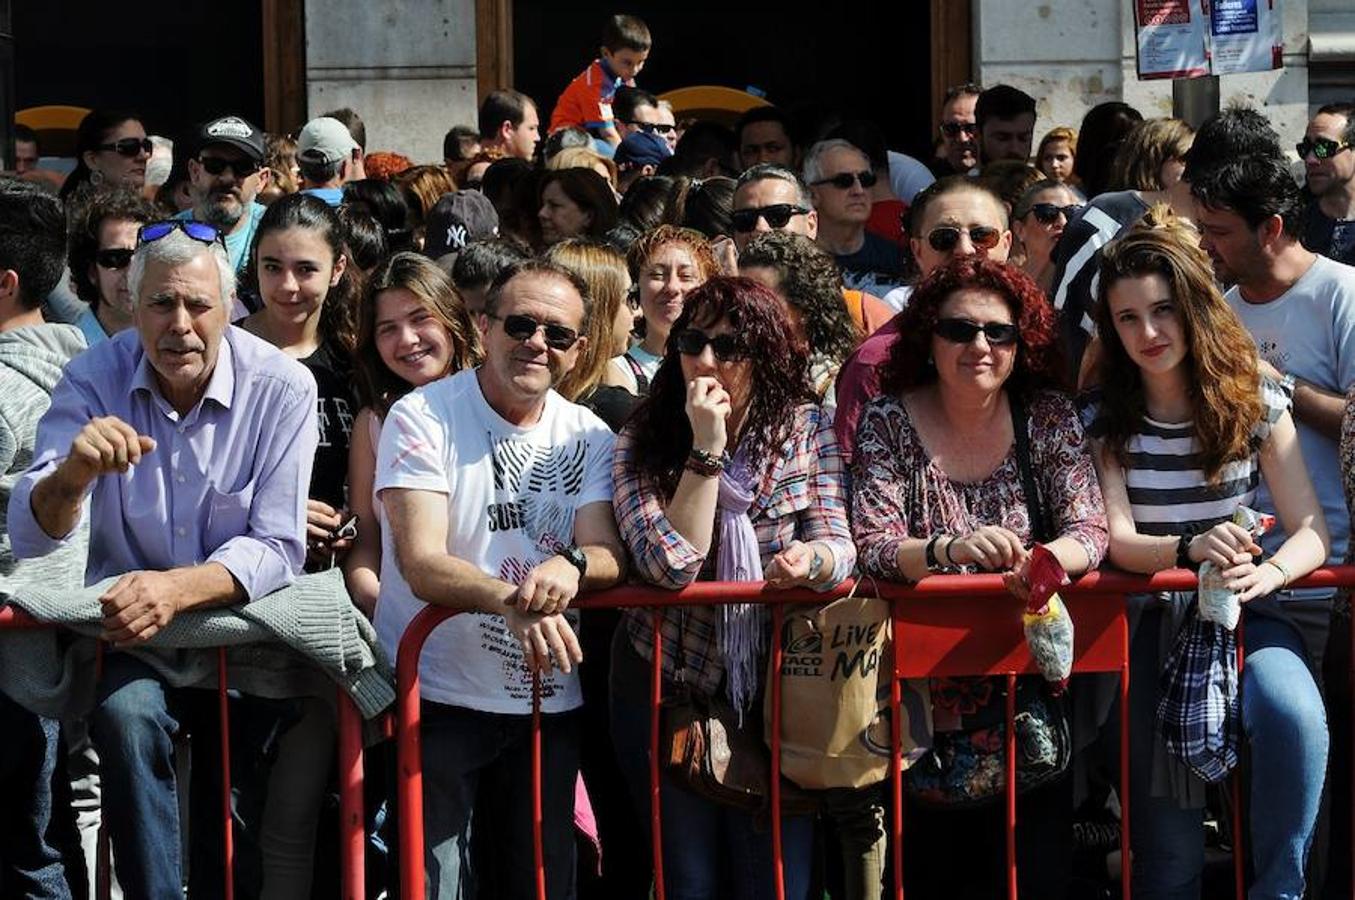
x=96 y=177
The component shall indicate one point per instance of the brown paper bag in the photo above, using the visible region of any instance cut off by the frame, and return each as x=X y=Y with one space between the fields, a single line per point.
x=836 y=665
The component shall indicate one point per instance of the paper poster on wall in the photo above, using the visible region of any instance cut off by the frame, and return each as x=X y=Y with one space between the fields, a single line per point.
x=1192 y=38
x=1171 y=39
x=1245 y=36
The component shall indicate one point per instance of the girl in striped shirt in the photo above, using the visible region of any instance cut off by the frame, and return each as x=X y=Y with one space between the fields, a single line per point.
x=1186 y=426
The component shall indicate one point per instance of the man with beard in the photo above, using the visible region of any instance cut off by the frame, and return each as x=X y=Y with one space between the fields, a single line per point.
x=498 y=492
x=226 y=173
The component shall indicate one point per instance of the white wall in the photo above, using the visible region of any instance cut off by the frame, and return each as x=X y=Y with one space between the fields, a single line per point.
x=1072 y=54
x=406 y=66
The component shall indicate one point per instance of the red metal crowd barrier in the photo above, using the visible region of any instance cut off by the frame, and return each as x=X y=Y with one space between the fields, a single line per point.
x=947 y=627
x=351 y=835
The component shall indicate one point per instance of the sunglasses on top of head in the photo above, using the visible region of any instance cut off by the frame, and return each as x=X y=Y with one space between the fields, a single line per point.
x=843 y=180
x=524 y=328
x=726 y=347
x=945 y=238
x=129 y=147
x=1048 y=213
x=1322 y=148
x=778 y=216
x=198 y=231
x=963 y=331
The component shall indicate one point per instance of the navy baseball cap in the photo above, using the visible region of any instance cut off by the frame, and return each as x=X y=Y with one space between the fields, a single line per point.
x=642 y=149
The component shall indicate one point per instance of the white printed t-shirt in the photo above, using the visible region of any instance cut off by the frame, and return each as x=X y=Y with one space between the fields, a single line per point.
x=512 y=494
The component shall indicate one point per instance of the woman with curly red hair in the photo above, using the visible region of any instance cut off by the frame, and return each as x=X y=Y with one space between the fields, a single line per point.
x=970 y=415
x=728 y=471
x=1186 y=427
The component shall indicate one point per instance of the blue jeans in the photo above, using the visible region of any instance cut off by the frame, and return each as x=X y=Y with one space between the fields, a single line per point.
x=465 y=750
x=133 y=726
x=35 y=817
x=1285 y=726
x=698 y=833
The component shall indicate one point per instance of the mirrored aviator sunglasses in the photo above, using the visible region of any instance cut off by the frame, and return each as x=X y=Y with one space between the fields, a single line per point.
x=945 y=238
x=1320 y=148
x=198 y=231
x=726 y=347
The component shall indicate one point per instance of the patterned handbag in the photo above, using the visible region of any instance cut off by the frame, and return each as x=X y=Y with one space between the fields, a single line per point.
x=1199 y=713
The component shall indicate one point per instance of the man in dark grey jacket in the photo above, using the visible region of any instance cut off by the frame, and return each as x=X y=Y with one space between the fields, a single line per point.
x=35 y=818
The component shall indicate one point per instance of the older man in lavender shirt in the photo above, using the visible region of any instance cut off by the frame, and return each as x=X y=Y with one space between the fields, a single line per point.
x=187 y=444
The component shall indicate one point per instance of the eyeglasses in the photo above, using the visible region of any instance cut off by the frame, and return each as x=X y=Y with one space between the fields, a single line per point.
x=1322 y=148
x=116 y=258
x=198 y=231
x=726 y=347
x=1048 y=213
x=843 y=180
x=241 y=168
x=129 y=147
x=778 y=216
x=651 y=127
x=524 y=328
x=953 y=129
x=945 y=238
x=963 y=331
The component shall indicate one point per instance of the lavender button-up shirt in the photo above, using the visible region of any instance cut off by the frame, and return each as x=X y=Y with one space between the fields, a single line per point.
x=226 y=483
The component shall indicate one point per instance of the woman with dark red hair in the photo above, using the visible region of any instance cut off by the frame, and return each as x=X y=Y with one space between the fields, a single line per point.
x=728 y=471
x=971 y=414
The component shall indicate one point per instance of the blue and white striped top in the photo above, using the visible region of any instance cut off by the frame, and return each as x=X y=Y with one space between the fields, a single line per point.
x=1168 y=491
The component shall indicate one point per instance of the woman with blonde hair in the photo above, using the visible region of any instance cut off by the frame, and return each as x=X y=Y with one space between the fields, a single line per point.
x=1184 y=430
x=422 y=187
x=603 y=269
x=1057 y=153
x=1152 y=157
x=584 y=158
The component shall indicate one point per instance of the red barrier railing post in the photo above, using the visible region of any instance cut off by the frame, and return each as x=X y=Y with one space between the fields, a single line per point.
x=1126 y=857
x=228 y=836
x=1011 y=785
x=352 y=835
x=778 y=863
x=538 y=851
x=409 y=748
x=896 y=741
x=655 y=768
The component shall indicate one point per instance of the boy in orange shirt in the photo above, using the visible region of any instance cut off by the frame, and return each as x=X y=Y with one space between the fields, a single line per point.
x=587 y=101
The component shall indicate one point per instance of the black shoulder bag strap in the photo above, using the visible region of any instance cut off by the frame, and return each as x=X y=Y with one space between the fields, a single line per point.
x=1040 y=527
x=641 y=381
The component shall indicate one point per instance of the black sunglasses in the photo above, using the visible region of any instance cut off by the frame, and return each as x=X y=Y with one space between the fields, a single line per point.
x=116 y=258
x=778 y=216
x=198 y=231
x=1322 y=148
x=129 y=147
x=1048 y=213
x=651 y=127
x=963 y=331
x=524 y=328
x=843 y=180
x=726 y=347
x=241 y=168
x=945 y=238
x=953 y=129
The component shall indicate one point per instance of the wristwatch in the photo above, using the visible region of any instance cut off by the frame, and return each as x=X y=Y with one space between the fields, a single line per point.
x=576 y=558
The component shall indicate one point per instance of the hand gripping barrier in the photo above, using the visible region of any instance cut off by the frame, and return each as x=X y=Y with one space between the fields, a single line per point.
x=943 y=627
x=351 y=834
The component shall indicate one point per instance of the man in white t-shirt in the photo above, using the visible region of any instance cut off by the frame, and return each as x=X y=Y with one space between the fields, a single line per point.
x=498 y=496
x=1300 y=310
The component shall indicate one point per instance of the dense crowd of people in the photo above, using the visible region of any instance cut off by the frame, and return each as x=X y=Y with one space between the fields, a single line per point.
x=638 y=349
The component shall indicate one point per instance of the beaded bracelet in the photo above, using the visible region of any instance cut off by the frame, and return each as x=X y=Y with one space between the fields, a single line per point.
x=705 y=464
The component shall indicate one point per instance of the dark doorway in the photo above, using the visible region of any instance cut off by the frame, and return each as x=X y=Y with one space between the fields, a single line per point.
x=868 y=60
x=173 y=62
